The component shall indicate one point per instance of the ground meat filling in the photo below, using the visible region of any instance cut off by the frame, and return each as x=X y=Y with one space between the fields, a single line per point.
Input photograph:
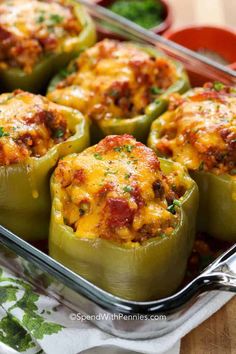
x=116 y=190
x=115 y=80
x=202 y=132
x=31 y=29
x=29 y=126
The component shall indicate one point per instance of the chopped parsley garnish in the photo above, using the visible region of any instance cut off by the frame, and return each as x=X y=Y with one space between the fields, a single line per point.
x=127 y=175
x=113 y=93
x=40 y=19
x=125 y=148
x=64 y=73
x=98 y=156
x=118 y=149
x=218 y=86
x=156 y=90
x=59 y=133
x=176 y=202
x=110 y=173
x=55 y=19
x=128 y=148
x=128 y=189
x=171 y=208
x=2 y=133
x=233 y=171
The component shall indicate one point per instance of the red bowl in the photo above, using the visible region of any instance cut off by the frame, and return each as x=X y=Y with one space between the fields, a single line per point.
x=161 y=28
x=216 y=39
x=233 y=66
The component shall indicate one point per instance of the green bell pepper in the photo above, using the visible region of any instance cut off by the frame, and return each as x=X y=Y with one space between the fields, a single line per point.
x=149 y=271
x=138 y=126
x=24 y=187
x=217 y=209
x=51 y=63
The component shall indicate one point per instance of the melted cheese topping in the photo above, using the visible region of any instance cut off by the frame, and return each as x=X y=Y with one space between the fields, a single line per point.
x=29 y=126
x=201 y=132
x=116 y=190
x=115 y=80
x=33 y=27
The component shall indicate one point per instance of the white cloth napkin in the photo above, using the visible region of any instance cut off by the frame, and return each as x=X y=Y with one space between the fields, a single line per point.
x=33 y=323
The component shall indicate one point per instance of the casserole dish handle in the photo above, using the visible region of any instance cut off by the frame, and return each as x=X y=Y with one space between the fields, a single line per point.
x=221 y=274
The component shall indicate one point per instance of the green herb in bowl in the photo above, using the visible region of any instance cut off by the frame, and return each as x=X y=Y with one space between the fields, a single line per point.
x=148 y=13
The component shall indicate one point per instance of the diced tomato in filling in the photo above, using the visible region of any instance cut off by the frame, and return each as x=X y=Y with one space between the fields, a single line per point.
x=120 y=213
x=79 y=176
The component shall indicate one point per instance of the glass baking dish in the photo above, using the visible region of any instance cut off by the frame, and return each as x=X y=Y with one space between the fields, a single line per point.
x=123 y=318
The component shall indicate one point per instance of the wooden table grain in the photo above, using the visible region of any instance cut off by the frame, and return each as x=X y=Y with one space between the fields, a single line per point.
x=217 y=335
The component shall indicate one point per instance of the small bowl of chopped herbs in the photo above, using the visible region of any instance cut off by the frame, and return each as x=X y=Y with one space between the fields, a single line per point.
x=149 y=14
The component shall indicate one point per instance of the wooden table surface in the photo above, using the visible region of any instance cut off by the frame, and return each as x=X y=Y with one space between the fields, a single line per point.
x=217 y=335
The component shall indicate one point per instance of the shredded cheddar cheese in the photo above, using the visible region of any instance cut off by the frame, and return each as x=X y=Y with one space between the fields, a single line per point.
x=116 y=190
x=201 y=132
x=29 y=126
x=114 y=80
x=29 y=29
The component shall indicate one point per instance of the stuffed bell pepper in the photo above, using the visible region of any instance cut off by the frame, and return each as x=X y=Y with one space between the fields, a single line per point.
x=34 y=134
x=199 y=131
x=122 y=87
x=38 y=38
x=123 y=219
